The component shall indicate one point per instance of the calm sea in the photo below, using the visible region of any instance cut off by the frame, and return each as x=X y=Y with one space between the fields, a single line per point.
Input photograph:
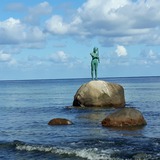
x=27 y=106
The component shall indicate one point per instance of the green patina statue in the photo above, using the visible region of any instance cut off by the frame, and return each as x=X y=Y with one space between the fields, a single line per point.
x=94 y=62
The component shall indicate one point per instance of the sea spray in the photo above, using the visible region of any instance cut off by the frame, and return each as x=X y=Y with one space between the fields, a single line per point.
x=87 y=153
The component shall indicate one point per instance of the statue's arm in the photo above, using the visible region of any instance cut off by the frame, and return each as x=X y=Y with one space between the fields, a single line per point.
x=98 y=55
x=92 y=55
x=98 y=59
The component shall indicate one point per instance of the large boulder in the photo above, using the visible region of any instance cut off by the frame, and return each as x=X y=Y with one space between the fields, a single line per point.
x=126 y=117
x=59 y=121
x=100 y=94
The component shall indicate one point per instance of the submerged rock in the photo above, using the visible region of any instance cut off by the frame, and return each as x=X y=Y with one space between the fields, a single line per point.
x=59 y=121
x=126 y=117
x=99 y=94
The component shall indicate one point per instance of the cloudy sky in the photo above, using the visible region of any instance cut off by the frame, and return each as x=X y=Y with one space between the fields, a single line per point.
x=54 y=38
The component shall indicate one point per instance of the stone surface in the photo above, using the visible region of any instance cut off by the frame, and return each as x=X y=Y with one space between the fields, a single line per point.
x=59 y=121
x=99 y=94
x=126 y=117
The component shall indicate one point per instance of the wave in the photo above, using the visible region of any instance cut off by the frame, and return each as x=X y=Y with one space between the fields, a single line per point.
x=87 y=153
x=119 y=150
x=72 y=152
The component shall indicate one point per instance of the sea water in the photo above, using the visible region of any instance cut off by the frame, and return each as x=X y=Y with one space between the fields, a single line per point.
x=26 y=107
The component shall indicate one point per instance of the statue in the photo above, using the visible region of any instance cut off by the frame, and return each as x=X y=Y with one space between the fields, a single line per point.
x=94 y=62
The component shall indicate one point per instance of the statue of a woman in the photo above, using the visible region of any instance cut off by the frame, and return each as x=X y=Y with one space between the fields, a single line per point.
x=94 y=62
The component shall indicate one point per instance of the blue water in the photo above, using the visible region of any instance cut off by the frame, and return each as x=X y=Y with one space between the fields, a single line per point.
x=27 y=106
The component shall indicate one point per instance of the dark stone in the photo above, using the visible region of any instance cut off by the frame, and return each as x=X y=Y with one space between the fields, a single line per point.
x=126 y=117
x=59 y=121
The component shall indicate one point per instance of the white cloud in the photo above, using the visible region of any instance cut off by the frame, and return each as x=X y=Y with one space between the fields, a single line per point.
x=7 y=58
x=113 y=21
x=41 y=9
x=152 y=55
x=103 y=9
x=36 y=13
x=13 y=31
x=34 y=34
x=121 y=51
x=149 y=57
x=59 y=57
x=63 y=59
x=55 y=25
x=4 y=57
x=12 y=62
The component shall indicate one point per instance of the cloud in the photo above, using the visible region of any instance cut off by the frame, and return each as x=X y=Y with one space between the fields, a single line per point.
x=121 y=51
x=7 y=58
x=55 y=25
x=59 y=57
x=4 y=57
x=124 y=22
x=18 y=7
x=13 y=31
x=63 y=59
x=37 y=12
x=113 y=22
x=34 y=34
x=41 y=9
x=149 y=57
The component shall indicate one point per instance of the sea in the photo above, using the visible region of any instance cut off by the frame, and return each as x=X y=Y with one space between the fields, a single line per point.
x=26 y=107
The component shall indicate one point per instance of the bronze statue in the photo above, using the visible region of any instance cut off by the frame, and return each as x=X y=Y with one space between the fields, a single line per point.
x=94 y=62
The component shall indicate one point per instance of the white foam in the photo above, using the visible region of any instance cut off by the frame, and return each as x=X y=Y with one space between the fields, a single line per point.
x=34 y=148
x=88 y=153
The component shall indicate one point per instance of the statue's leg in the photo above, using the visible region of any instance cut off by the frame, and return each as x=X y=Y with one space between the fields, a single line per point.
x=96 y=66
x=92 y=70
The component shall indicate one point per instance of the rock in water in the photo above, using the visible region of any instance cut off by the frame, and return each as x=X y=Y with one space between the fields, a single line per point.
x=100 y=94
x=126 y=117
x=59 y=121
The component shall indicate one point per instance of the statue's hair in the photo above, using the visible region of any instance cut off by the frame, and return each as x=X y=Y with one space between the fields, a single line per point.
x=95 y=49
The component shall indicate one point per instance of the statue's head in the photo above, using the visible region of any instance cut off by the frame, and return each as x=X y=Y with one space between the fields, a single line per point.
x=94 y=49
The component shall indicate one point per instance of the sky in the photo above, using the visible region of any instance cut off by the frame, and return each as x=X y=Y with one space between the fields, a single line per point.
x=53 y=39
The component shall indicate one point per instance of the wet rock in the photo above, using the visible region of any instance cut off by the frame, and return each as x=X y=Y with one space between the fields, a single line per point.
x=126 y=117
x=100 y=94
x=59 y=121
